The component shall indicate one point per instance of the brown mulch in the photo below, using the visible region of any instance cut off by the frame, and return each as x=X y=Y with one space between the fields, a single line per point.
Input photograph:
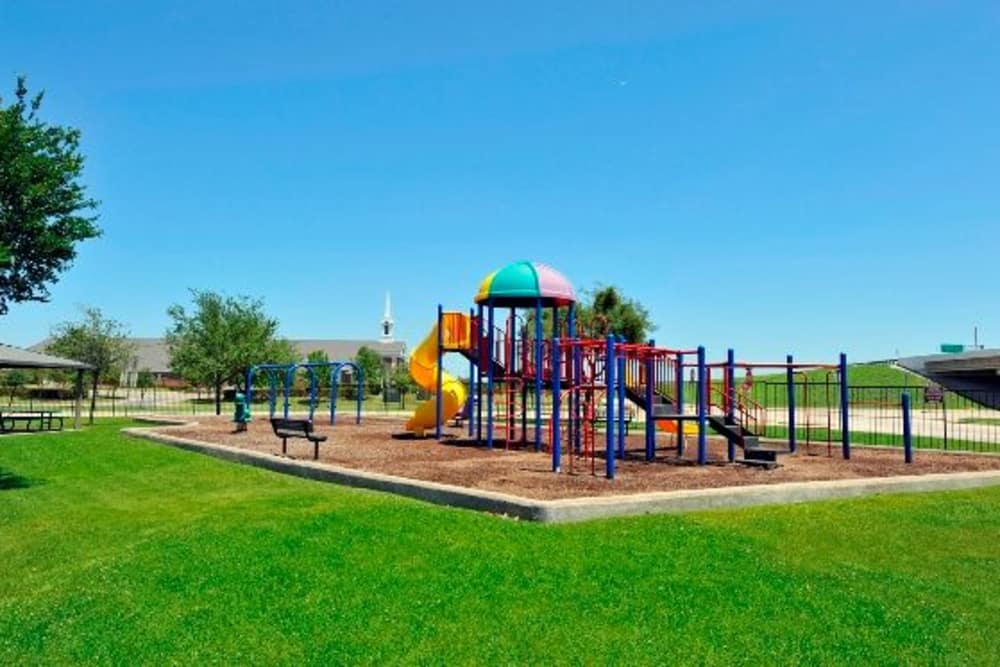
x=376 y=445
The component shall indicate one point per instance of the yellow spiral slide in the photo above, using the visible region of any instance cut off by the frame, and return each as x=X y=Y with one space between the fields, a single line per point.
x=424 y=369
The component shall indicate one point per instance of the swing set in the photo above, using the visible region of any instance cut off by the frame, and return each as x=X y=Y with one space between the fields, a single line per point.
x=281 y=378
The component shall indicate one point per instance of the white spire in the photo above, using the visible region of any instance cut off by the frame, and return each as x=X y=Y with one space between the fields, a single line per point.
x=387 y=322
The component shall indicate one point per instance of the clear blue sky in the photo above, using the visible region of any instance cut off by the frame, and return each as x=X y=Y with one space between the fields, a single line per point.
x=776 y=177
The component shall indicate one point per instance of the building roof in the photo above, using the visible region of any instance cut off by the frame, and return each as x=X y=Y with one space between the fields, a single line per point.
x=153 y=355
x=344 y=350
x=15 y=357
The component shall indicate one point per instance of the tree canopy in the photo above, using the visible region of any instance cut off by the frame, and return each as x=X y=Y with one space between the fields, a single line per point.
x=44 y=207
x=370 y=363
x=96 y=340
x=606 y=310
x=322 y=375
x=601 y=311
x=220 y=338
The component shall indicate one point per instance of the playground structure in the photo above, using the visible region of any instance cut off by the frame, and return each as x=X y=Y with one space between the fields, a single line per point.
x=532 y=386
x=283 y=375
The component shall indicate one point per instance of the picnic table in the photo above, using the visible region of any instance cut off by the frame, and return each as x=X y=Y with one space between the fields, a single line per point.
x=32 y=420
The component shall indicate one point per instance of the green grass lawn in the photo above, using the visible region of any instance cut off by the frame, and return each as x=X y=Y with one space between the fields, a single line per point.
x=121 y=551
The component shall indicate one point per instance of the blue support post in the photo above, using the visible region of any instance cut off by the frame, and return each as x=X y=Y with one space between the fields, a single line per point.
x=620 y=378
x=610 y=363
x=793 y=444
x=845 y=426
x=731 y=400
x=556 y=405
x=479 y=374
x=471 y=405
x=510 y=370
x=907 y=434
x=334 y=393
x=680 y=403
x=289 y=378
x=361 y=394
x=702 y=409
x=437 y=395
x=650 y=417
x=489 y=375
x=539 y=360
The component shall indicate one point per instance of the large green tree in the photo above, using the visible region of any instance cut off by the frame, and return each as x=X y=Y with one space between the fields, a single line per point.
x=101 y=342
x=606 y=310
x=370 y=363
x=44 y=208
x=322 y=374
x=601 y=311
x=216 y=342
x=402 y=379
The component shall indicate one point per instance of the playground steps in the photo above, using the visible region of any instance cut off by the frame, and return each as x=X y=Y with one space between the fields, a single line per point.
x=662 y=405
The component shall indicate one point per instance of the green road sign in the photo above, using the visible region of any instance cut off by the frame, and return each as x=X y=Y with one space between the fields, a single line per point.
x=952 y=348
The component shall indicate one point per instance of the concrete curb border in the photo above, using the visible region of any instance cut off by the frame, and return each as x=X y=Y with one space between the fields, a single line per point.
x=579 y=509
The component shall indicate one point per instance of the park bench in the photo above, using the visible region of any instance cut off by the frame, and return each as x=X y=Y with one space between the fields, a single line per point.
x=601 y=417
x=296 y=428
x=42 y=420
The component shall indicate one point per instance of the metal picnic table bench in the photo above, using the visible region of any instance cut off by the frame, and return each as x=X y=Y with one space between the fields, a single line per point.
x=45 y=420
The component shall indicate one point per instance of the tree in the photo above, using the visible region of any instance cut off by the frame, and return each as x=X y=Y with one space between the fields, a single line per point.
x=370 y=363
x=601 y=311
x=322 y=374
x=14 y=380
x=143 y=381
x=44 y=209
x=96 y=340
x=402 y=380
x=605 y=310
x=217 y=342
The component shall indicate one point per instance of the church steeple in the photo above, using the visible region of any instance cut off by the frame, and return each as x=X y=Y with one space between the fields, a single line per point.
x=387 y=322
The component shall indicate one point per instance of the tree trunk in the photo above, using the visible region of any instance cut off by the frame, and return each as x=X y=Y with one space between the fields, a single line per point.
x=93 y=396
x=218 y=398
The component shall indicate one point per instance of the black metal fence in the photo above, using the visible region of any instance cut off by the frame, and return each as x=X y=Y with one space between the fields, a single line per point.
x=940 y=418
x=128 y=401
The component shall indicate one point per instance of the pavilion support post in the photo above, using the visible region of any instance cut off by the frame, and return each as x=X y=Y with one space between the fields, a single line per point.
x=78 y=402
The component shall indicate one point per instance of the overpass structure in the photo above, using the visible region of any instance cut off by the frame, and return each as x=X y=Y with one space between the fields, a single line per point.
x=974 y=374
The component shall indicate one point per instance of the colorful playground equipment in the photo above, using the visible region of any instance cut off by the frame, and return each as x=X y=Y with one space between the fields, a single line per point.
x=533 y=380
x=283 y=376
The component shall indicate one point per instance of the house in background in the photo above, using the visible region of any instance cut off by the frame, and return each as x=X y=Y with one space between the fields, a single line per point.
x=153 y=355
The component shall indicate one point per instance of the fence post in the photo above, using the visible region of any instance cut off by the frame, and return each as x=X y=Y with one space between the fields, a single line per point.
x=556 y=405
x=702 y=408
x=730 y=387
x=620 y=375
x=650 y=418
x=944 y=416
x=907 y=434
x=439 y=374
x=845 y=427
x=793 y=445
x=610 y=364
x=680 y=403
